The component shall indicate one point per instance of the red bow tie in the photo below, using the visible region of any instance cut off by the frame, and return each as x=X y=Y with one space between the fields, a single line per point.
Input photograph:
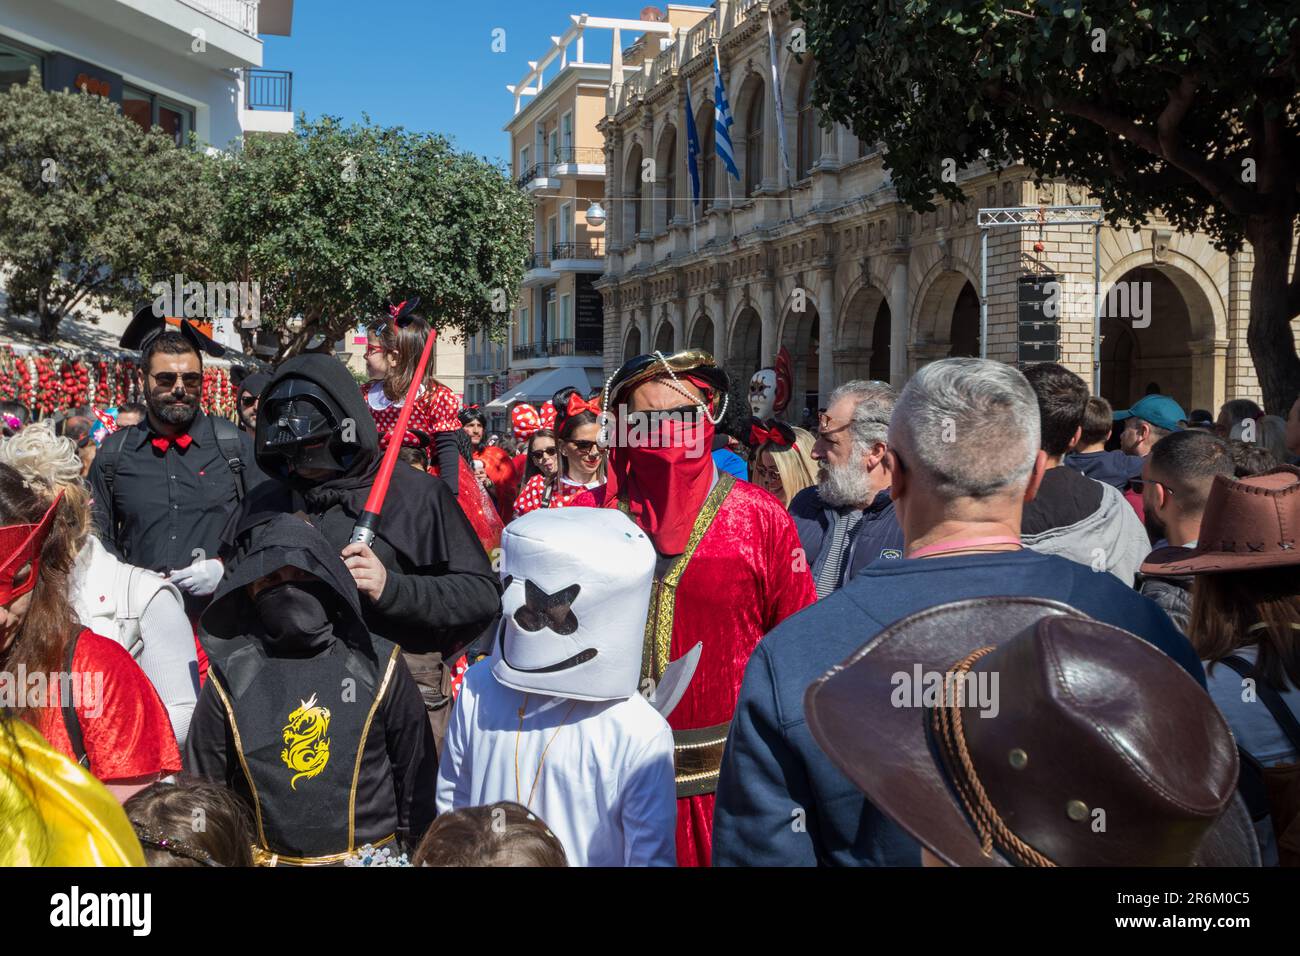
x=162 y=443
x=759 y=435
x=578 y=404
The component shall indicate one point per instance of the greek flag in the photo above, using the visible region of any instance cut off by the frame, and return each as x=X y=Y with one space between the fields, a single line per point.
x=722 y=120
x=692 y=149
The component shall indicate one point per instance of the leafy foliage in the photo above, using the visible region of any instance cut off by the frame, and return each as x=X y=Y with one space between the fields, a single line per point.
x=1187 y=108
x=335 y=221
x=91 y=207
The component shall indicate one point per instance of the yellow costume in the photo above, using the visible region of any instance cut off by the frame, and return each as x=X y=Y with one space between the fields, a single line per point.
x=54 y=813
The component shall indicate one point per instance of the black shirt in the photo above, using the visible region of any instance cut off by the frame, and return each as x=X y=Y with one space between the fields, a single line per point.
x=1064 y=498
x=168 y=509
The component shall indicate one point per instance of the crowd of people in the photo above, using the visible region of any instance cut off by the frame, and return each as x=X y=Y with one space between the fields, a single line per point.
x=983 y=620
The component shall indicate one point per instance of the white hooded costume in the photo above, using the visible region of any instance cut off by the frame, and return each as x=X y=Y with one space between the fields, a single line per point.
x=554 y=720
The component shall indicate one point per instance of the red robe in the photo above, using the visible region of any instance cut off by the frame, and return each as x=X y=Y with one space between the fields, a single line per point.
x=740 y=583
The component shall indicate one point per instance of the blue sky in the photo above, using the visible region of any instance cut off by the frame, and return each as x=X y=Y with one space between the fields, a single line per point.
x=427 y=65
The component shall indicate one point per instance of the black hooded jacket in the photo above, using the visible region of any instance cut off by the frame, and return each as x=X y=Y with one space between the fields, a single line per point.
x=347 y=689
x=441 y=592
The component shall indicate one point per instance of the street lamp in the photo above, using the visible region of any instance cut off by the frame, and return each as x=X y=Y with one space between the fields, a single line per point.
x=595 y=214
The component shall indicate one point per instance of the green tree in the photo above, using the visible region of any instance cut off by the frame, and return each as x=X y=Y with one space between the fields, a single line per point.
x=332 y=221
x=91 y=207
x=1186 y=108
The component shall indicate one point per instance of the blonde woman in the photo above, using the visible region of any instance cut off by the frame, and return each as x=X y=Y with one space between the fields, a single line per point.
x=134 y=607
x=782 y=464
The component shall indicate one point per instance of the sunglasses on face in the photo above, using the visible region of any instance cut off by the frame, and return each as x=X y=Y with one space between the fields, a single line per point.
x=248 y=401
x=373 y=350
x=686 y=414
x=192 y=381
x=585 y=447
x=1138 y=484
x=539 y=453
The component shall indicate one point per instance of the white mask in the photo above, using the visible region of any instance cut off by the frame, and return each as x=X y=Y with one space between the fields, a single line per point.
x=762 y=393
x=577 y=592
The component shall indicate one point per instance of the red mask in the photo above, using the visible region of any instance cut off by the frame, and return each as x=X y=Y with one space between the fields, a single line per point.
x=20 y=544
x=665 y=486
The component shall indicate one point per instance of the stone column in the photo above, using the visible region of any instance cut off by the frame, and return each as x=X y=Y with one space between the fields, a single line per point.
x=768 y=319
x=898 y=315
x=1209 y=372
x=826 y=313
x=721 y=295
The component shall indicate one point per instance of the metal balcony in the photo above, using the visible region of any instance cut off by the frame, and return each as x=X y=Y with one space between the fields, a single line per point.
x=268 y=90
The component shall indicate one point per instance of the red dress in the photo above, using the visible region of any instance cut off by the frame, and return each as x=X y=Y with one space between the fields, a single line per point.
x=126 y=731
x=432 y=413
x=478 y=506
x=500 y=470
x=530 y=498
x=740 y=583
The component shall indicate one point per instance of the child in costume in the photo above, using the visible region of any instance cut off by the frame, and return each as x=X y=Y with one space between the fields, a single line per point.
x=554 y=720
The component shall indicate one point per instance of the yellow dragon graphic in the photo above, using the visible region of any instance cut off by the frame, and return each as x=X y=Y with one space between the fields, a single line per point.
x=307 y=750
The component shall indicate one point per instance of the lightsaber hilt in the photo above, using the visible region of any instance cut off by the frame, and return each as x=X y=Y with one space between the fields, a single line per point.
x=363 y=532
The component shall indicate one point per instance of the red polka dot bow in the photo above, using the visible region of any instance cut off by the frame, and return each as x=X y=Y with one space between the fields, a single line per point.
x=548 y=414
x=524 y=420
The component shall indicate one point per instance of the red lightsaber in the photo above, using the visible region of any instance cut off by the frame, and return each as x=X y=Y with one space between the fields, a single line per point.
x=363 y=532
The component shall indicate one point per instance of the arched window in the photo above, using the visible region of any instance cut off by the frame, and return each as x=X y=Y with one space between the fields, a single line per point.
x=754 y=141
x=708 y=158
x=809 y=130
x=632 y=191
x=669 y=164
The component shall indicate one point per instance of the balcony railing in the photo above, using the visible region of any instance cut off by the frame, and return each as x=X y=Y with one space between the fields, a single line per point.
x=268 y=90
x=537 y=260
x=556 y=347
x=579 y=250
x=240 y=14
x=582 y=155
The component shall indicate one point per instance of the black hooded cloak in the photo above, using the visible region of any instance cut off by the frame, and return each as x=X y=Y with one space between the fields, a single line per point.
x=323 y=734
x=441 y=592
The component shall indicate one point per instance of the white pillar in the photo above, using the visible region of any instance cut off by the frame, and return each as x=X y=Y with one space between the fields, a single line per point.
x=723 y=299
x=768 y=319
x=826 y=312
x=898 y=312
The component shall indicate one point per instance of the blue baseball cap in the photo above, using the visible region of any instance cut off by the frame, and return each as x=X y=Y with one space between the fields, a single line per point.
x=1159 y=410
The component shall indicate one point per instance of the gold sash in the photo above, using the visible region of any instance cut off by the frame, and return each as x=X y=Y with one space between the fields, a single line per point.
x=663 y=594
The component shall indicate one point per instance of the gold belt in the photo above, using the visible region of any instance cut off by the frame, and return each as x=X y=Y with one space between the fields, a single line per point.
x=697 y=758
x=264 y=857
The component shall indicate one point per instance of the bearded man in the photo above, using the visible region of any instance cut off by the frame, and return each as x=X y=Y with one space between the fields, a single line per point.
x=164 y=488
x=847 y=520
x=728 y=563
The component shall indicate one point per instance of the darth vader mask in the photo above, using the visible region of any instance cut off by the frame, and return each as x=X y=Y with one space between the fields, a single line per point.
x=299 y=422
x=577 y=590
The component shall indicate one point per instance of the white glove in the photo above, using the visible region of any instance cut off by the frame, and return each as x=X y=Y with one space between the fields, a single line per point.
x=200 y=578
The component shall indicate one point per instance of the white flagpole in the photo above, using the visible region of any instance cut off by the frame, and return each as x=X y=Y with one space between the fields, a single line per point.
x=717 y=62
x=780 y=108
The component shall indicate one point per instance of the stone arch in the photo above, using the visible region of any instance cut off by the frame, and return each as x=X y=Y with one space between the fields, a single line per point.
x=700 y=335
x=1193 y=282
x=632 y=343
x=800 y=333
x=745 y=345
x=936 y=295
x=749 y=140
x=664 y=337
x=862 y=340
x=666 y=188
x=633 y=195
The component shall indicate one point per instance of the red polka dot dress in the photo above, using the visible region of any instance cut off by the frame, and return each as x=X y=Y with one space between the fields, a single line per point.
x=530 y=498
x=432 y=413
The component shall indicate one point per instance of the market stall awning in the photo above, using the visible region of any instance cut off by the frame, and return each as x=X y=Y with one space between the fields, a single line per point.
x=540 y=387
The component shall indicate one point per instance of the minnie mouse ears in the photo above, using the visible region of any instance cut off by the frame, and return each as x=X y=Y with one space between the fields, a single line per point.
x=403 y=312
x=146 y=326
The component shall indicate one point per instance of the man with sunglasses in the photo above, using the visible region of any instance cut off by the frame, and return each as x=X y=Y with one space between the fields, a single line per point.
x=249 y=391
x=164 y=488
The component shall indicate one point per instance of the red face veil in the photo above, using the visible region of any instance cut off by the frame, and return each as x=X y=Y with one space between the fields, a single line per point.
x=20 y=545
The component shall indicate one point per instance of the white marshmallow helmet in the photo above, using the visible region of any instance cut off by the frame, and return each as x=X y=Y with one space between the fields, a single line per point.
x=577 y=593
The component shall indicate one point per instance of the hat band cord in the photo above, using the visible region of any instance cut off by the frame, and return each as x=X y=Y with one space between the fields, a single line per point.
x=947 y=724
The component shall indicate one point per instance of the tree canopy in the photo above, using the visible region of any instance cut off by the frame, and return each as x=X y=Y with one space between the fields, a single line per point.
x=333 y=221
x=91 y=207
x=1186 y=109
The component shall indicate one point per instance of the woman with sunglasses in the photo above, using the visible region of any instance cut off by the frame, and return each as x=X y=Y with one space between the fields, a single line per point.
x=783 y=464
x=112 y=720
x=541 y=472
x=581 y=460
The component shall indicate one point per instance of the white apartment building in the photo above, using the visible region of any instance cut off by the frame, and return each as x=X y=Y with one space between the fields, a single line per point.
x=185 y=65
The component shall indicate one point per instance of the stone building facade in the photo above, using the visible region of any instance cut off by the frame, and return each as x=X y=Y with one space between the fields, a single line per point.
x=835 y=269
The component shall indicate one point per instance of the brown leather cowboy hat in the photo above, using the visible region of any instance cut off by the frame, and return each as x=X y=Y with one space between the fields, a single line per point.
x=1097 y=749
x=1248 y=523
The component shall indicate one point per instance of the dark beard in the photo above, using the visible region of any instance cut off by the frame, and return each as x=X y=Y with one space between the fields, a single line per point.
x=1156 y=529
x=172 y=412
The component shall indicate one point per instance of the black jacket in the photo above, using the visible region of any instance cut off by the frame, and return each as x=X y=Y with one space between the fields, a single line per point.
x=878 y=535
x=441 y=592
x=1173 y=594
x=326 y=738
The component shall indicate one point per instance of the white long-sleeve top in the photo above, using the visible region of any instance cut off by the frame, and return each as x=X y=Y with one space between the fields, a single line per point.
x=166 y=651
x=605 y=789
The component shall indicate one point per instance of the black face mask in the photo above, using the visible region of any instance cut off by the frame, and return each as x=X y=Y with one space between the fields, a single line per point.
x=297 y=615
